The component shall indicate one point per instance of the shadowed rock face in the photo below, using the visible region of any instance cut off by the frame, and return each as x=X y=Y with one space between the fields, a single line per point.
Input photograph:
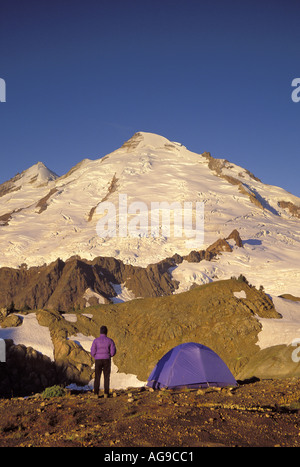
x=26 y=371
x=61 y=285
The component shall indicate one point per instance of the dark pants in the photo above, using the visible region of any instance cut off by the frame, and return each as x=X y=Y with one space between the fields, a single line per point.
x=102 y=365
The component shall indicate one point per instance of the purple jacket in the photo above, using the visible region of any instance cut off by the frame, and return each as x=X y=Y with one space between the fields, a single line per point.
x=103 y=348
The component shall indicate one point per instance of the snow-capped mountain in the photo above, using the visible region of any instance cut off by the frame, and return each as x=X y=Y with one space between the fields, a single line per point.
x=44 y=216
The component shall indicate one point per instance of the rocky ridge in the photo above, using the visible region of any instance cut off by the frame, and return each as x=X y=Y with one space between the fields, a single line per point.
x=62 y=285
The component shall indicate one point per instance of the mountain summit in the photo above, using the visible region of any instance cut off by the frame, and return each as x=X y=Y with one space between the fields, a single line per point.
x=142 y=139
x=43 y=216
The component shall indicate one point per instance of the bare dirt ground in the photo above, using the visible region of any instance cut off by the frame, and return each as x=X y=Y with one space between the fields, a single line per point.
x=261 y=413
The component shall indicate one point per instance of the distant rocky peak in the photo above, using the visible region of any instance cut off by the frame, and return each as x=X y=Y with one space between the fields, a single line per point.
x=38 y=173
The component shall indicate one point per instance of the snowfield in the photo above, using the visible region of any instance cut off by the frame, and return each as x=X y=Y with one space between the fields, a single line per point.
x=281 y=331
x=30 y=334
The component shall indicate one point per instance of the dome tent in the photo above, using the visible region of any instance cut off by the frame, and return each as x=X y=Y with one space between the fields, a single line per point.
x=190 y=365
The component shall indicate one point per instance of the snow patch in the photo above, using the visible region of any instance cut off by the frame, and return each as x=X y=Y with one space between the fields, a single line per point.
x=72 y=318
x=187 y=274
x=241 y=294
x=30 y=334
x=89 y=293
x=123 y=294
x=284 y=330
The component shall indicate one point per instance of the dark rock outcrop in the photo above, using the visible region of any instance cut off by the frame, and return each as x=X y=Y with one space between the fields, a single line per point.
x=72 y=361
x=61 y=285
x=292 y=208
x=219 y=246
x=236 y=237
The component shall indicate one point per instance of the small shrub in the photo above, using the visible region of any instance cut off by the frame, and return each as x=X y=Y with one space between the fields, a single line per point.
x=54 y=391
x=242 y=278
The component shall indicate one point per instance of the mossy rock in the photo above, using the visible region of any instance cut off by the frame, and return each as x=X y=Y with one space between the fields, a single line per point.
x=11 y=321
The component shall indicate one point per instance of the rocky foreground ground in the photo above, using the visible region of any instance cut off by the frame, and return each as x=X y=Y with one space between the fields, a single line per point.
x=257 y=413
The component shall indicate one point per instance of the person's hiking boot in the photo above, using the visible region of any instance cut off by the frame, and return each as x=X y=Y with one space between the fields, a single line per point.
x=106 y=396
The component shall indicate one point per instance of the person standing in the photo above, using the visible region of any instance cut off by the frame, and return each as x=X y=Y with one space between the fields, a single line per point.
x=103 y=348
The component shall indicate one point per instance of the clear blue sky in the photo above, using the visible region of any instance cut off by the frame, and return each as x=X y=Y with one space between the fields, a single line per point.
x=83 y=76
